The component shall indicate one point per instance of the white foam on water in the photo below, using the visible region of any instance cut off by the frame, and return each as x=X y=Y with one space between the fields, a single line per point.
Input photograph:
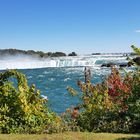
x=66 y=79
x=78 y=61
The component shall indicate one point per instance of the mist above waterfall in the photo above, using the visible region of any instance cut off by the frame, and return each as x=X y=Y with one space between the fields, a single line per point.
x=21 y=61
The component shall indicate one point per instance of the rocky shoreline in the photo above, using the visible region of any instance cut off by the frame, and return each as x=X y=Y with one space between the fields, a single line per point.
x=134 y=60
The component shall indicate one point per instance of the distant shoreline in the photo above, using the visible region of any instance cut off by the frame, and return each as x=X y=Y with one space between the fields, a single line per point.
x=41 y=54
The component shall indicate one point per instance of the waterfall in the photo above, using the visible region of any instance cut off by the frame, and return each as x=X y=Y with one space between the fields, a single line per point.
x=79 y=61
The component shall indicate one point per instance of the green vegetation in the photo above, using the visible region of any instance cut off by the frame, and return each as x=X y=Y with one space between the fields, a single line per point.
x=72 y=54
x=57 y=54
x=107 y=107
x=40 y=54
x=72 y=136
x=111 y=106
x=22 y=110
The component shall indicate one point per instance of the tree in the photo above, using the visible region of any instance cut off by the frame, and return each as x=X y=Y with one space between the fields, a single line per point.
x=72 y=54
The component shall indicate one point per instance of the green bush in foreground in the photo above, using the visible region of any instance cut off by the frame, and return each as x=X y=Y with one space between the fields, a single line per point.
x=22 y=110
x=113 y=105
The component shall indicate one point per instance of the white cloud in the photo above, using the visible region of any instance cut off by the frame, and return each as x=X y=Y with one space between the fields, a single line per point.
x=137 y=31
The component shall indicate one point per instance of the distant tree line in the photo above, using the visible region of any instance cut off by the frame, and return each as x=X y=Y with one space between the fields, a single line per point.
x=41 y=54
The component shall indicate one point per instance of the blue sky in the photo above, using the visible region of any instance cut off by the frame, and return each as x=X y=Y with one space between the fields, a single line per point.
x=83 y=26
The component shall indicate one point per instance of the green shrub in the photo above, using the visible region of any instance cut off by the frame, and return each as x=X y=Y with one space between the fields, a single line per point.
x=22 y=110
x=113 y=105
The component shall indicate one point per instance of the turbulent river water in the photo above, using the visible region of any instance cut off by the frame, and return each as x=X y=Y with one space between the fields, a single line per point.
x=52 y=75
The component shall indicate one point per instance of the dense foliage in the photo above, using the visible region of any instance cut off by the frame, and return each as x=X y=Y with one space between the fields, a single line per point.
x=72 y=54
x=22 y=110
x=113 y=105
